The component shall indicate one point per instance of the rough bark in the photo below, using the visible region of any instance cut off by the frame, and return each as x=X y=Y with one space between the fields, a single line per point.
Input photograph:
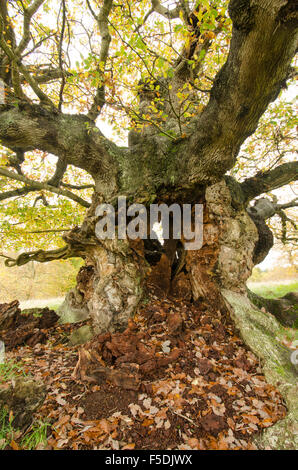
x=232 y=236
x=109 y=286
x=112 y=283
x=72 y=137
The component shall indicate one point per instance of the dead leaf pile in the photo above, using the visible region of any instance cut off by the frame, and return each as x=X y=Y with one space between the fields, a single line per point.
x=193 y=384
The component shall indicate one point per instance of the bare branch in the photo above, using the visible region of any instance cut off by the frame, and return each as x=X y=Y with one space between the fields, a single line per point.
x=16 y=193
x=59 y=173
x=37 y=186
x=78 y=187
x=102 y=20
x=288 y=205
x=284 y=219
x=50 y=230
x=28 y=14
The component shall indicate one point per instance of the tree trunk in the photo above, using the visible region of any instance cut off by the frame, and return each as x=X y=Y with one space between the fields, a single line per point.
x=115 y=278
x=111 y=283
x=116 y=272
x=109 y=286
x=226 y=258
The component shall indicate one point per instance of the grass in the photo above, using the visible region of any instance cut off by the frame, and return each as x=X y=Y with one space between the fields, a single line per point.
x=272 y=290
x=36 y=435
x=10 y=370
x=6 y=429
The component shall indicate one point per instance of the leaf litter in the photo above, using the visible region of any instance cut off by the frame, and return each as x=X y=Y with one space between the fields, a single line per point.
x=209 y=394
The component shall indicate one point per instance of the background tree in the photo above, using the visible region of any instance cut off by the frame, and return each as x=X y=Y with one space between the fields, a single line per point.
x=189 y=82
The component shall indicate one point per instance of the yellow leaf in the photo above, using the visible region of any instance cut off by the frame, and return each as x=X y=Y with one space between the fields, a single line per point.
x=128 y=447
x=14 y=445
x=147 y=422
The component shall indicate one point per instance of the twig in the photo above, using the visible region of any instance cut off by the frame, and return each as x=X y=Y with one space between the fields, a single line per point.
x=184 y=417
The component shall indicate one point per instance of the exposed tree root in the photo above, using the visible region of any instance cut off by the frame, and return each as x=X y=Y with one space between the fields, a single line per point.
x=259 y=332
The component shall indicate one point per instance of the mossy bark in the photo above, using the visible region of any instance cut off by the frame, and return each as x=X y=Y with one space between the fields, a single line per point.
x=259 y=331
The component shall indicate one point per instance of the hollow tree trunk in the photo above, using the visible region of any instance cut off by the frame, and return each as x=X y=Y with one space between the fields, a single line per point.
x=116 y=272
x=115 y=278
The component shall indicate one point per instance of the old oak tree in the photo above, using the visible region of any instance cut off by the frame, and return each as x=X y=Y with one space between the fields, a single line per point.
x=190 y=82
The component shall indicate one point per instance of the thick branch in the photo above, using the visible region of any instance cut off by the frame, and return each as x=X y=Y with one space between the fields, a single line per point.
x=265 y=182
x=77 y=186
x=59 y=173
x=73 y=138
x=264 y=41
x=48 y=75
x=41 y=256
x=16 y=193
